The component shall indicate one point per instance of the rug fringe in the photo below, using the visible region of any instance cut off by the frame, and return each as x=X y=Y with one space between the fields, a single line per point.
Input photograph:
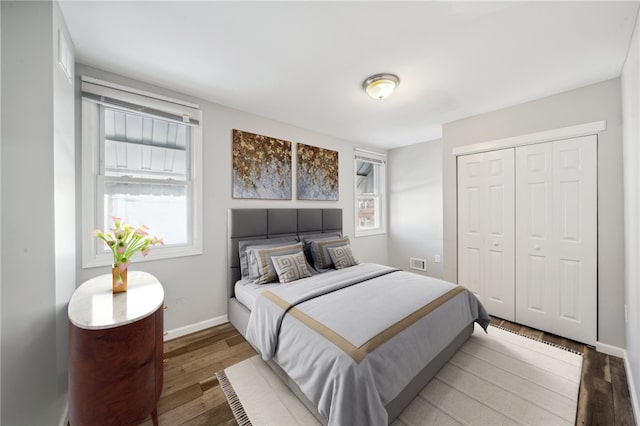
x=537 y=339
x=232 y=399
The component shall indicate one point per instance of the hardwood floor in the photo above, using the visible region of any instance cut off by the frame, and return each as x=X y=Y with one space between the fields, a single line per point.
x=191 y=395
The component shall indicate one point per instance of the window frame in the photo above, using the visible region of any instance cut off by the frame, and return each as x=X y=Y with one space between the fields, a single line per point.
x=93 y=177
x=378 y=159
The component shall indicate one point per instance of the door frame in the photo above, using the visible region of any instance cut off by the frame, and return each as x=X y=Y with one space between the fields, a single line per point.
x=533 y=138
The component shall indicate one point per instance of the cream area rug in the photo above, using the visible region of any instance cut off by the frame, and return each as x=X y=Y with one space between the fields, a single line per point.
x=499 y=378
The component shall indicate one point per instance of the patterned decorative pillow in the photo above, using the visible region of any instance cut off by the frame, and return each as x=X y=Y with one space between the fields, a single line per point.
x=320 y=252
x=307 y=239
x=261 y=269
x=243 y=246
x=291 y=267
x=342 y=257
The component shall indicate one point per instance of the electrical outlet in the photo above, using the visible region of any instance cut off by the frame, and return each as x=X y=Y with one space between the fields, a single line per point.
x=436 y=258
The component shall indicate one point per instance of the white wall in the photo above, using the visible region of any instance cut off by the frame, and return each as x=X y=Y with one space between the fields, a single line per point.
x=631 y=145
x=596 y=102
x=415 y=205
x=36 y=138
x=195 y=286
x=0 y=211
x=64 y=197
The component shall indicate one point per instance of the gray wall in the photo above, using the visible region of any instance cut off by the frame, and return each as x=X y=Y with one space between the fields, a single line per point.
x=415 y=205
x=596 y=102
x=631 y=131
x=37 y=130
x=195 y=286
x=0 y=212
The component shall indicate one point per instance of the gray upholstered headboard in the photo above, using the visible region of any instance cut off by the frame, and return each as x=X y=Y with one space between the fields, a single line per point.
x=253 y=224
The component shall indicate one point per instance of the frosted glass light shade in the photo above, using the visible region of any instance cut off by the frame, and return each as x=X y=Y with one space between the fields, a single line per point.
x=380 y=86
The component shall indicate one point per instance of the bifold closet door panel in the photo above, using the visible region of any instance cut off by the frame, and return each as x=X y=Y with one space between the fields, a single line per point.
x=470 y=237
x=486 y=229
x=535 y=250
x=556 y=237
x=499 y=244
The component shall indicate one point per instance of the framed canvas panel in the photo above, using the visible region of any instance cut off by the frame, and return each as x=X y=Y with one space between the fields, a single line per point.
x=317 y=173
x=261 y=167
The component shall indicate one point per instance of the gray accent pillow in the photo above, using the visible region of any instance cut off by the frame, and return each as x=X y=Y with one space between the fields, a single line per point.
x=261 y=268
x=271 y=242
x=306 y=242
x=320 y=252
x=342 y=257
x=291 y=267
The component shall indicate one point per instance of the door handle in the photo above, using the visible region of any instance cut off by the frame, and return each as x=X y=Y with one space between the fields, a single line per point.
x=536 y=247
x=495 y=244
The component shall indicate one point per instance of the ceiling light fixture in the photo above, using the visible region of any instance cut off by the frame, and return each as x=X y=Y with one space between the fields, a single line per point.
x=380 y=86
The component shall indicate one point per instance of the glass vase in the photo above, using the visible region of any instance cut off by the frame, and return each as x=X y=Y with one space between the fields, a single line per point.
x=119 y=287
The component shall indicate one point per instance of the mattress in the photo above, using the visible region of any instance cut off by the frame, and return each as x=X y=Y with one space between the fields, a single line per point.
x=247 y=291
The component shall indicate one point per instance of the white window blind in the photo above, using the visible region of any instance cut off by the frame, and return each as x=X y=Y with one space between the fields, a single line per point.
x=141 y=162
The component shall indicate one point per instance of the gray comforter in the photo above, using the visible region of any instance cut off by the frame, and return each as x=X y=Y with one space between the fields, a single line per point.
x=352 y=339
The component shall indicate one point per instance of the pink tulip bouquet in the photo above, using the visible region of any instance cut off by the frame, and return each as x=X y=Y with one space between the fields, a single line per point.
x=124 y=241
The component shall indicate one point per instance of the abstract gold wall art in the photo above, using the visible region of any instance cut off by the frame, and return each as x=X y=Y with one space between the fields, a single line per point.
x=317 y=173
x=261 y=167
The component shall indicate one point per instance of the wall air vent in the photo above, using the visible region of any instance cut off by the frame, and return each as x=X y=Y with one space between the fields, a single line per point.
x=419 y=264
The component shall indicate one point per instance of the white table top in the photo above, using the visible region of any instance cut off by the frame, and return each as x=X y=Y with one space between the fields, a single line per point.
x=93 y=305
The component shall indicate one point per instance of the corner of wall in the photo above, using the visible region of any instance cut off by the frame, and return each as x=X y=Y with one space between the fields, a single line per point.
x=0 y=210
x=630 y=89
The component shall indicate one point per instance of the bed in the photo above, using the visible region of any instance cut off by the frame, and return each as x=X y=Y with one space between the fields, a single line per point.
x=345 y=371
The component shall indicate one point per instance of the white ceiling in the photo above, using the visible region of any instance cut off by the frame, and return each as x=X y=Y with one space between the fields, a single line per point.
x=303 y=63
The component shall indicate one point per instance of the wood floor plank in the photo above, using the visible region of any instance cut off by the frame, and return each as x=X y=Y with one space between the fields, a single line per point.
x=508 y=325
x=496 y=321
x=215 y=416
x=197 y=358
x=169 y=401
x=583 y=403
x=177 y=379
x=217 y=353
x=212 y=339
x=235 y=340
x=193 y=408
x=185 y=340
x=210 y=383
x=530 y=332
x=598 y=404
x=622 y=408
x=595 y=364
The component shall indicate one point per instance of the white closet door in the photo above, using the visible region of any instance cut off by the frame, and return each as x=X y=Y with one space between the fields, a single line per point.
x=486 y=229
x=470 y=238
x=556 y=237
x=535 y=248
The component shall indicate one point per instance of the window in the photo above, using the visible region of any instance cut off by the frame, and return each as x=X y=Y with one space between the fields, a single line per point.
x=140 y=162
x=370 y=205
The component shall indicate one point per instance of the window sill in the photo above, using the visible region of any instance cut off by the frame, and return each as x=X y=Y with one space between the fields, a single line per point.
x=157 y=254
x=370 y=232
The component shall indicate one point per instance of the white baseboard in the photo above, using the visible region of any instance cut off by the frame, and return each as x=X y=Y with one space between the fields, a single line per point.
x=192 y=328
x=632 y=389
x=610 y=350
